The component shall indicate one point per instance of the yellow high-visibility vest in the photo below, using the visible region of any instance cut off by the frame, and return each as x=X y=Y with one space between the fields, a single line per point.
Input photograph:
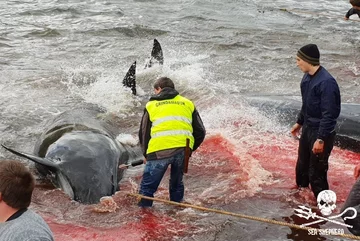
x=171 y=123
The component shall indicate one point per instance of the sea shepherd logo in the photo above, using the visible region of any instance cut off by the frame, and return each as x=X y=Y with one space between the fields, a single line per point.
x=326 y=202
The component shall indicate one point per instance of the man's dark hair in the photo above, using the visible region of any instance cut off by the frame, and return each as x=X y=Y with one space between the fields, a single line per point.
x=16 y=184
x=163 y=82
x=355 y=3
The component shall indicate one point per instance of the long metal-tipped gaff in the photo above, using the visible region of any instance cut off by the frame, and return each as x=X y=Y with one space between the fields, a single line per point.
x=136 y=163
x=130 y=79
x=133 y=164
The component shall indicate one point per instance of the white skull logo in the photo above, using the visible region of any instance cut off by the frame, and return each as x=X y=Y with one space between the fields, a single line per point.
x=326 y=202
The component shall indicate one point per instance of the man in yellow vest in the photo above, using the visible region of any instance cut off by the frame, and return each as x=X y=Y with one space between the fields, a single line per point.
x=169 y=119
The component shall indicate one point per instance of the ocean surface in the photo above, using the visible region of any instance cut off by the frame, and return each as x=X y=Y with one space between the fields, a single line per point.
x=57 y=55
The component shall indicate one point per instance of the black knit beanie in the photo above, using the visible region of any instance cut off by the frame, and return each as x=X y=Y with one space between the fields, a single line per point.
x=310 y=53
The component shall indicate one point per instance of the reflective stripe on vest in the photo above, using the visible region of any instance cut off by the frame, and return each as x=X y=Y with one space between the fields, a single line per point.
x=171 y=133
x=171 y=123
x=168 y=118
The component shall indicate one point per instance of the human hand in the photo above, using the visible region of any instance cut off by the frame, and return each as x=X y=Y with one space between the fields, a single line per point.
x=295 y=130
x=123 y=166
x=318 y=146
x=346 y=18
x=357 y=171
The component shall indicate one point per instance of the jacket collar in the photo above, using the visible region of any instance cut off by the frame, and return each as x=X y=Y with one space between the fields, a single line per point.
x=166 y=93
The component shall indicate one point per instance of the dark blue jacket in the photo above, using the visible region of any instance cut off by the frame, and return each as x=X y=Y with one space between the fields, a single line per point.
x=321 y=102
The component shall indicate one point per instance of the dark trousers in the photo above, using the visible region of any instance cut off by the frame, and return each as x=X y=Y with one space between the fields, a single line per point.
x=312 y=168
x=154 y=172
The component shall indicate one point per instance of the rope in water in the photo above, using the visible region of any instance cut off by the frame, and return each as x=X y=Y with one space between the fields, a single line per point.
x=315 y=230
x=314 y=13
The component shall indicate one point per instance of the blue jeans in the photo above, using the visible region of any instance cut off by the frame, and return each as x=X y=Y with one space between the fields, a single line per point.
x=154 y=172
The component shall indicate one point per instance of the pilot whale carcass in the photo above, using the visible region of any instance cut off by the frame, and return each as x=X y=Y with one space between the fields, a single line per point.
x=79 y=153
x=286 y=109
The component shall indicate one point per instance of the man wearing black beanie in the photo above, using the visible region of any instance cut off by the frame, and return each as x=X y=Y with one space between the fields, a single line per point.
x=317 y=119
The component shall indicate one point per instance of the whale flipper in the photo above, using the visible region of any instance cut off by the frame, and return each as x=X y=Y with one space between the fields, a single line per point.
x=36 y=159
x=156 y=55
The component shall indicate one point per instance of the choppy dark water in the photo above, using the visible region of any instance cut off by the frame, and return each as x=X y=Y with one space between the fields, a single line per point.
x=58 y=55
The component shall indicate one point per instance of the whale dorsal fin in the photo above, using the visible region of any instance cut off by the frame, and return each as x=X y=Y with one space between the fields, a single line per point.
x=36 y=159
x=129 y=79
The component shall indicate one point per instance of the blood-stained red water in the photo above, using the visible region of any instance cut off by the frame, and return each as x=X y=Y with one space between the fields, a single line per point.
x=255 y=178
x=70 y=220
x=149 y=227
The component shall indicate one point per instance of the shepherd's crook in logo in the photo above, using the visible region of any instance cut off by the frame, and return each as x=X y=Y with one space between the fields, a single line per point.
x=326 y=202
x=305 y=212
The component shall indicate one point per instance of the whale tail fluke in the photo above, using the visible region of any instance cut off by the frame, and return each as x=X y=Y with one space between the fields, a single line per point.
x=157 y=56
x=129 y=79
